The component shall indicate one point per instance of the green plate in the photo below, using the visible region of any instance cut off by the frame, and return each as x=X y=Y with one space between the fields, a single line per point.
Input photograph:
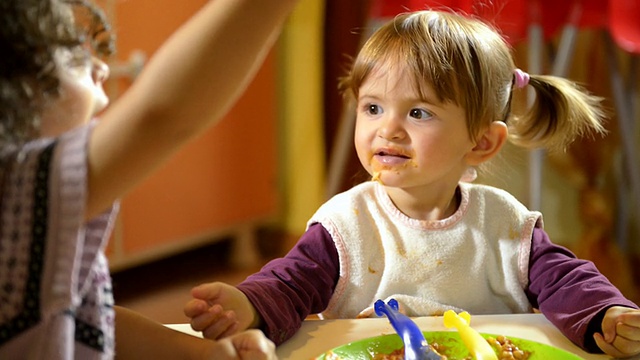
x=448 y=340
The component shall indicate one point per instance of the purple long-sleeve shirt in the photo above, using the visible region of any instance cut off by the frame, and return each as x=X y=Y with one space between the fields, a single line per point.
x=570 y=292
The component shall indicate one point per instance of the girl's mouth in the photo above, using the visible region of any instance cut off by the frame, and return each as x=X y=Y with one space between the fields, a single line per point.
x=390 y=158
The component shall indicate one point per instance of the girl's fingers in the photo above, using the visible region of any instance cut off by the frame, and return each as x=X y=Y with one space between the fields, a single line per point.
x=366 y=313
x=194 y=308
x=205 y=319
x=619 y=348
x=252 y=344
x=626 y=347
x=231 y=330
x=221 y=326
x=628 y=332
x=207 y=291
x=632 y=319
x=607 y=348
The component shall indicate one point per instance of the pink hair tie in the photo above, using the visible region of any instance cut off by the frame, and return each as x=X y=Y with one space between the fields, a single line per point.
x=521 y=78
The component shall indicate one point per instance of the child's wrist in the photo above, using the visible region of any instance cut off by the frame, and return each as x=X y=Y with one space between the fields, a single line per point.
x=257 y=319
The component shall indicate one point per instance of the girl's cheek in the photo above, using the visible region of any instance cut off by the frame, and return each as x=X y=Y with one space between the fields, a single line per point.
x=102 y=100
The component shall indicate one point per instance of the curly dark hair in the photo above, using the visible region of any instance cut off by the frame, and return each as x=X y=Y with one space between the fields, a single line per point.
x=30 y=32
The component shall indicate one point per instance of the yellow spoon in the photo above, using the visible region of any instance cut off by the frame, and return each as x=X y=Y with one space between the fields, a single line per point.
x=475 y=343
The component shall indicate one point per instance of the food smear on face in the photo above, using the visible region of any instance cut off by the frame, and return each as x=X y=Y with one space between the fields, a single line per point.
x=378 y=167
x=376 y=177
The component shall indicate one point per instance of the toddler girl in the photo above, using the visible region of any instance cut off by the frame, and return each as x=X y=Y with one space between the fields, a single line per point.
x=434 y=94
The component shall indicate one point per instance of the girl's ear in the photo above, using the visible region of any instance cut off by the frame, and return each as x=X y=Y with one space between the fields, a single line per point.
x=488 y=143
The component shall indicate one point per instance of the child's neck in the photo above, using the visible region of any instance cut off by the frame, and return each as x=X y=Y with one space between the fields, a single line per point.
x=418 y=208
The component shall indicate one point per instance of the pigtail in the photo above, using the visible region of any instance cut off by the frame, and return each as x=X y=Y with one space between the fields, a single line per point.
x=562 y=111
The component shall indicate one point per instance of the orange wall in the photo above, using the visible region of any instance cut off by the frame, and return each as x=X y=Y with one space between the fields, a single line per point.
x=228 y=176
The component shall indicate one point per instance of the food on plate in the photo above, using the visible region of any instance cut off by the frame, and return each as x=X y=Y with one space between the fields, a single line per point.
x=504 y=348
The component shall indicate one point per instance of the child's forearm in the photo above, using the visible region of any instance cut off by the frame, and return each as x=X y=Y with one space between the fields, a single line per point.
x=189 y=84
x=138 y=337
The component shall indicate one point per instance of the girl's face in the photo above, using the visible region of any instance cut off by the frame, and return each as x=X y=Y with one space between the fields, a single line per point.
x=81 y=94
x=406 y=141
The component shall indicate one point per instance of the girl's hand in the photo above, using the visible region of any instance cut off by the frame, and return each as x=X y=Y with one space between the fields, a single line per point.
x=621 y=330
x=219 y=310
x=247 y=345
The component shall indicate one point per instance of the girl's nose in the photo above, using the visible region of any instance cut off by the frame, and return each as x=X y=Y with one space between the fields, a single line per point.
x=99 y=71
x=391 y=128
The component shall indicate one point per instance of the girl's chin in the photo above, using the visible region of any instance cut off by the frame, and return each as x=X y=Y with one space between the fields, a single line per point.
x=387 y=178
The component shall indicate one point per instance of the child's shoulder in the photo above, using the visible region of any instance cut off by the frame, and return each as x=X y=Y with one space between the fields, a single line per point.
x=491 y=196
x=361 y=195
x=486 y=190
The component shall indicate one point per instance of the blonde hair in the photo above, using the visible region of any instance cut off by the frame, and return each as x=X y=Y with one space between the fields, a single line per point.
x=468 y=63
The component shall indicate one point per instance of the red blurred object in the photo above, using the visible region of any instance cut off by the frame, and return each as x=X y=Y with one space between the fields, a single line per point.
x=456 y=5
x=513 y=17
x=509 y=16
x=624 y=24
x=555 y=14
x=382 y=9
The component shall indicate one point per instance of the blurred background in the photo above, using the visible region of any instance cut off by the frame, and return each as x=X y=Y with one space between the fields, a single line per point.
x=242 y=193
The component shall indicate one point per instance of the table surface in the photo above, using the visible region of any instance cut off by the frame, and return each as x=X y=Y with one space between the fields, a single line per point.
x=317 y=336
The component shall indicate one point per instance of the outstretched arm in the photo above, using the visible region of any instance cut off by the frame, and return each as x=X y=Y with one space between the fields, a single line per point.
x=140 y=338
x=190 y=83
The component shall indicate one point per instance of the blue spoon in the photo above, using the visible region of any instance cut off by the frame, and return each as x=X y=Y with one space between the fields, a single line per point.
x=415 y=345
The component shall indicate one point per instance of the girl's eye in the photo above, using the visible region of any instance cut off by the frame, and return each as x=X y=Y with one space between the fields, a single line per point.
x=420 y=114
x=373 y=109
